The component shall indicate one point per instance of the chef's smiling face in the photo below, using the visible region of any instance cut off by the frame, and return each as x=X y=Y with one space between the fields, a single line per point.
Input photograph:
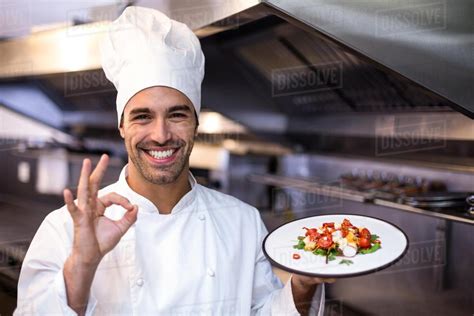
x=159 y=126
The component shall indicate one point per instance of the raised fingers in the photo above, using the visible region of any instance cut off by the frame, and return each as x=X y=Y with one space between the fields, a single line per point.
x=97 y=175
x=69 y=201
x=83 y=187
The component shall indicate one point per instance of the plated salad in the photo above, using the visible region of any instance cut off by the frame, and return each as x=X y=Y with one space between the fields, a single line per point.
x=338 y=240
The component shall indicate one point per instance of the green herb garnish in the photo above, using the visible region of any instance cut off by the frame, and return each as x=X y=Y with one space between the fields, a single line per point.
x=373 y=237
x=346 y=261
x=320 y=252
x=300 y=244
x=331 y=255
x=374 y=248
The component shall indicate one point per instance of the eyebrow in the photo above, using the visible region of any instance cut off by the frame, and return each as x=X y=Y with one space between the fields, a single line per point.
x=181 y=107
x=140 y=110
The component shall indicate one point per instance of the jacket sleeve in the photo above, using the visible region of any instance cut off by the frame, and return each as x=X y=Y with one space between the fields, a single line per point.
x=41 y=287
x=270 y=296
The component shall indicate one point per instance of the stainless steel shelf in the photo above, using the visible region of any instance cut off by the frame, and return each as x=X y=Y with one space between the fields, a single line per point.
x=412 y=209
x=309 y=186
x=312 y=186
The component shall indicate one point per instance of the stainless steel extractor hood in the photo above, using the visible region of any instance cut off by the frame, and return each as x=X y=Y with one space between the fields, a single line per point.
x=429 y=42
x=357 y=89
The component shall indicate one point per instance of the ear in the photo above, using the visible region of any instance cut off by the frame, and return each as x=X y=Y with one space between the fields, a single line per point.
x=197 y=124
x=122 y=133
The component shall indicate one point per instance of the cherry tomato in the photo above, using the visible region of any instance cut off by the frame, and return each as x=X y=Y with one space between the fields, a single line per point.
x=324 y=242
x=364 y=242
x=296 y=256
x=365 y=233
x=311 y=231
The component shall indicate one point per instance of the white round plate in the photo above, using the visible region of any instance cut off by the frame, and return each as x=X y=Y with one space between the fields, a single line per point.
x=278 y=247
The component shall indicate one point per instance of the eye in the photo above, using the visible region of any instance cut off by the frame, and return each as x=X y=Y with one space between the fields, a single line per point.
x=177 y=115
x=142 y=117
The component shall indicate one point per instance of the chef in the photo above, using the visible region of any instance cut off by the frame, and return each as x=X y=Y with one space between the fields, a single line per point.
x=155 y=242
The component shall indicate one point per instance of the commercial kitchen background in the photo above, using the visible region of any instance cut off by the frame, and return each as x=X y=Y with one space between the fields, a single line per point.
x=309 y=107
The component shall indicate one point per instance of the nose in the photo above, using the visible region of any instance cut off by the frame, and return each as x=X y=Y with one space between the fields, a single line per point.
x=160 y=131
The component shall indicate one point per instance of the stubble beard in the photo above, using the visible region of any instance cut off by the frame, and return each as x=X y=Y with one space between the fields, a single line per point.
x=160 y=175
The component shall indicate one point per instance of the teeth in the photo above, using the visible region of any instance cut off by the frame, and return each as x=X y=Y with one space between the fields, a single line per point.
x=161 y=154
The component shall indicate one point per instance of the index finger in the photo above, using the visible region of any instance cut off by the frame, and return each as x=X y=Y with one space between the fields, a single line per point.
x=98 y=174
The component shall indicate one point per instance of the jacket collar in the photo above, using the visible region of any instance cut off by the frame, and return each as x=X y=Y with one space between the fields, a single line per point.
x=147 y=206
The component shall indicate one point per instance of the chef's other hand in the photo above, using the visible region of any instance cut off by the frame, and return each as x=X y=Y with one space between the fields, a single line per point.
x=303 y=288
x=94 y=234
x=310 y=281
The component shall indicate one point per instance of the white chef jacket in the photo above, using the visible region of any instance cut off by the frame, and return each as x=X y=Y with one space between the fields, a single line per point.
x=204 y=258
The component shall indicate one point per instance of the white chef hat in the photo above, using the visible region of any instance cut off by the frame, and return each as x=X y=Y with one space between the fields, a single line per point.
x=145 y=48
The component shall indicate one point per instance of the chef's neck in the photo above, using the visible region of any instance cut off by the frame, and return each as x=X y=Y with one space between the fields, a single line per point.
x=163 y=196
